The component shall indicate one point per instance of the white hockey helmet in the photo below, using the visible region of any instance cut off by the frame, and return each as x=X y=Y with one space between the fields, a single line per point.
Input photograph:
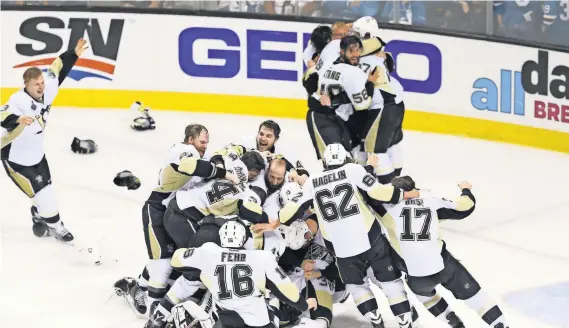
x=365 y=25
x=288 y=192
x=297 y=235
x=232 y=234
x=335 y=154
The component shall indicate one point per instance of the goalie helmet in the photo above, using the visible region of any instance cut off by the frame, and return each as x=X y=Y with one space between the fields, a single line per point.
x=364 y=26
x=87 y=146
x=233 y=234
x=290 y=191
x=298 y=235
x=335 y=154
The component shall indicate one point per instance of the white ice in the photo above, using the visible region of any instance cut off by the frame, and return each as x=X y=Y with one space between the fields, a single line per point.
x=516 y=239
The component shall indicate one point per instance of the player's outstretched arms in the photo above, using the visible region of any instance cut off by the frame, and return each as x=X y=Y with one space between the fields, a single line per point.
x=193 y=166
x=460 y=208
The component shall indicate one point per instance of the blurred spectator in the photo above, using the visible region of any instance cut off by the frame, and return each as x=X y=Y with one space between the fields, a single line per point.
x=556 y=22
x=410 y=13
x=293 y=7
x=192 y=5
x=26 y=3
x=352 y=9
x=243 y=6
x=518 y=19
x=141 y=4
x=457 y=15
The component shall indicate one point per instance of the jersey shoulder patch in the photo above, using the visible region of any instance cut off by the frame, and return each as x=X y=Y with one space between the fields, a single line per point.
x=189 y=252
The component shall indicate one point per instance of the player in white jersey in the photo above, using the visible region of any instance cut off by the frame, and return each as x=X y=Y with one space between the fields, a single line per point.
x=265 y=142
x=381 y=126
x=413 y=227
x=183 y=167
x=23 y=121
x=242 y=277
x=351 y=230
x=326 y=124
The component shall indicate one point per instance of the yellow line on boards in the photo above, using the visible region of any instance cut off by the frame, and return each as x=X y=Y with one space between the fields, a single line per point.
x=296 y=108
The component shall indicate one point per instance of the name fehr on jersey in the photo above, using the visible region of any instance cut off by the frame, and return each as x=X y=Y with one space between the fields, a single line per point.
x=26 y=142
x=237 y=278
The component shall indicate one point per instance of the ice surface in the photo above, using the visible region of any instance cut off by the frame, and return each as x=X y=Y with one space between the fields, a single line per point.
x=515 y=243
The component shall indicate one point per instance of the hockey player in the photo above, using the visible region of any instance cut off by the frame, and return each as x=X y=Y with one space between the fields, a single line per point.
x=266 y=142
x=216 y=197
x=351 y=231
x=23 y=121
x=413 y=227
x=241 y=277
x=326 y=124
x=183 y=168
x=381 y=126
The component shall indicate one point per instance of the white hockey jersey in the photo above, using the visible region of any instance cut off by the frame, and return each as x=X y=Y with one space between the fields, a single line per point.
x=386 y=83
x=344 y=218
x=238 y=278
x=413 y=229
x=341 y=77
x=169 y=179
x=25 y=144
x=218 y=197
x=270 y=241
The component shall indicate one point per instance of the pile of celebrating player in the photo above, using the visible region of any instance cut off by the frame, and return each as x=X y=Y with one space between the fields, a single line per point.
x=248 y=238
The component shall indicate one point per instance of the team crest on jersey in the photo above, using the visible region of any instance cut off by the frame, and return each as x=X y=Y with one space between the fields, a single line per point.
x=186 y=154
x=189 y=252
x=34 y=106
x=39 y=179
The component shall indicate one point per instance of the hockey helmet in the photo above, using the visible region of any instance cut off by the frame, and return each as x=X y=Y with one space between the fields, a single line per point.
x=297 y=235
x=335 y=154
x=233 y=234
x=290 y=191
x=366 y=27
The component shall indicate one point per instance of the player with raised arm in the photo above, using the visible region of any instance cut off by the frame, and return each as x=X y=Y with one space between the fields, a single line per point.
x=238 y=279
x=351 y=230
x=380 y=128
x=23 y=122
x=183 y=168
x=413 y=228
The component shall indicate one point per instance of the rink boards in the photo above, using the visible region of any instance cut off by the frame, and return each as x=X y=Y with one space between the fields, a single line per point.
x=454 y=86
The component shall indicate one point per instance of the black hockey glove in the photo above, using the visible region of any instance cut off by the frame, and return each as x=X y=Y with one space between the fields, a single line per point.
x=79 y=146
x=127 y=179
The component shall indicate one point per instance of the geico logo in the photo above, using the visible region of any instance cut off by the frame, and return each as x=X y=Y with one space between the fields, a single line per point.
x=221 y=56
x=558 y=88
